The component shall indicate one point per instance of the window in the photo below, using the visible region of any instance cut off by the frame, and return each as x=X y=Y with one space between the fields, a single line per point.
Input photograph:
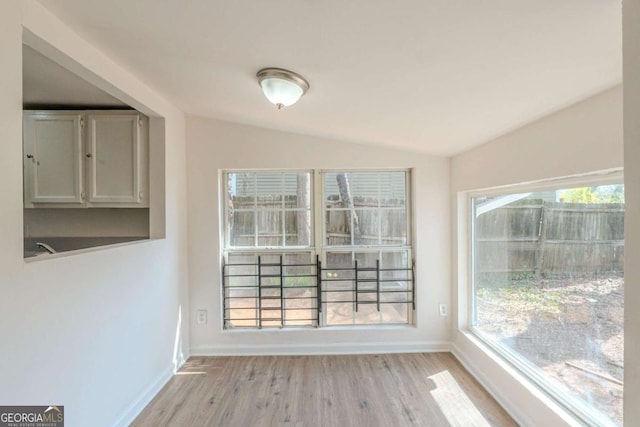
x=267 y=210
x=284 y=268
x=366 y=225
x=548 y=291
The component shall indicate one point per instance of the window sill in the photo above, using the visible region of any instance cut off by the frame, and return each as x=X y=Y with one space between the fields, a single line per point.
x=293 y=329
x=572 y=412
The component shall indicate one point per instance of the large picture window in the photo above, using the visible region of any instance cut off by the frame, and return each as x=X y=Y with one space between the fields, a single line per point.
x=548 y=290
x=284 y=268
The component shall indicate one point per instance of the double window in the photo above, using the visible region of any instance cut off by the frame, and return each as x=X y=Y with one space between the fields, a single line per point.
x=317 y=248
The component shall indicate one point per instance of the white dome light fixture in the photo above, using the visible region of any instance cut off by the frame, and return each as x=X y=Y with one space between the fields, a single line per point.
x=282 y=87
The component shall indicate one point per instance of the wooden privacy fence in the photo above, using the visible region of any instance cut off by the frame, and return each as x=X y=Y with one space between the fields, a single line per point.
x=264 y=219
x=387 y=222
x=550 y=239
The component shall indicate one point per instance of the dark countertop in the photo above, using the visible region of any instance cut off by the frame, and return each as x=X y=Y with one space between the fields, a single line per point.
x=64 y=244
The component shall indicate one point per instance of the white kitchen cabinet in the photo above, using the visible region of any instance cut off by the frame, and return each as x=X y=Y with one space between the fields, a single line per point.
x=113 y=158
x=86 y=159
x=53 y=169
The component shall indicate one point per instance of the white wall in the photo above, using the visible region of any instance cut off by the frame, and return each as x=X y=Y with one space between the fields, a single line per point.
x=94 y=331
x=631 y=38
x=100 y=222
x=214 y=145
x=584 y=138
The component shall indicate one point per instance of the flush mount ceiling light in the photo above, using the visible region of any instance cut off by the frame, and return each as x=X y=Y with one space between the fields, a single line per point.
x=282 y=87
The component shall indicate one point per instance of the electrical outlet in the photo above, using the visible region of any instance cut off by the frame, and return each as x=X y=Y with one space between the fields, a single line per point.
x=444 y=310
x=202 y=317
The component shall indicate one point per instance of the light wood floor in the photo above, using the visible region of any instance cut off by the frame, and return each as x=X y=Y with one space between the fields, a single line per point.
x=362 y=390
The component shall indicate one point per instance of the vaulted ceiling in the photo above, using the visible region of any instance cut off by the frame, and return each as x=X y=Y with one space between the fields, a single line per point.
x=46 y=84
x=438 y=76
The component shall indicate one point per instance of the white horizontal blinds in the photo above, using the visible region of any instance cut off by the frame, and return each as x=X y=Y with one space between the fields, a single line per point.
x=269 y=183
x=388 y=185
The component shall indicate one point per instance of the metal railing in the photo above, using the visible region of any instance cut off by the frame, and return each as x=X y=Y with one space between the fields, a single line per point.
x=277 y=294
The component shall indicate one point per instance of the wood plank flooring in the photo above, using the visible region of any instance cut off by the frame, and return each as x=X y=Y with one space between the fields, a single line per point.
x=430 y=389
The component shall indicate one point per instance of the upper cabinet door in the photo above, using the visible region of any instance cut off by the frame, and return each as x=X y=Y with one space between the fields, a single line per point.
x=53 y=158
x=113 y=154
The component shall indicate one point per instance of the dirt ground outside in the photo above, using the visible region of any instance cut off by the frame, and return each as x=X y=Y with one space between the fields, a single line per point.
x=571 y=328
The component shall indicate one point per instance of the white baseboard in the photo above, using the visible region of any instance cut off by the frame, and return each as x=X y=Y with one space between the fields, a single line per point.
x=321 y=349
x=136 y=407
x=501 y=396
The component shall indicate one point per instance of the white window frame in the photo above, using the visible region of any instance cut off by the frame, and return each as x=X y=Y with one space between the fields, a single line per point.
x=577 y=409
x=323 y=248
x=317 y=223
x=408 y=196
x=226 y=234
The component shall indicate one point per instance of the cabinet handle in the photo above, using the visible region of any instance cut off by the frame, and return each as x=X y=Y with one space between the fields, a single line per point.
x=89 y=155
x=30 y=156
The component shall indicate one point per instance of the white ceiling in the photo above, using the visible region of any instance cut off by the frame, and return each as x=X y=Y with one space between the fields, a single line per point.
x=438 y=76
x=45 y=83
